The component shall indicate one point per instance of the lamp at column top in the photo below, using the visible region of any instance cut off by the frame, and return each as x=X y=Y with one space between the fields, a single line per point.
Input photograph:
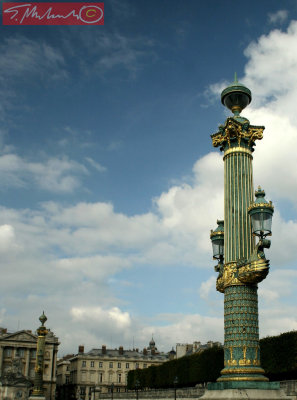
x=236 y=96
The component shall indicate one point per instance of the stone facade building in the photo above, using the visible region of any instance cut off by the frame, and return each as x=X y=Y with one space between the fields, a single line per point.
x=19 y=349
x=84 y=375
x=187 y=349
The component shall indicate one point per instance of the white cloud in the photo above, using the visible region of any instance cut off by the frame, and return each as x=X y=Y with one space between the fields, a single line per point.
x=7 y=238
x=279 y=16
x=26 y=61
x=113 y=317
x=264 y=72
x=55 y=174
x=111 y=50
x=207 y=287
x=96 y=165
x=186 y=329
x=21 y=57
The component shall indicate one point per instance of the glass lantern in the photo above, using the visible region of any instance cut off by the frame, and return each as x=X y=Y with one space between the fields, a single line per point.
x=261 y=214
x=217 y=240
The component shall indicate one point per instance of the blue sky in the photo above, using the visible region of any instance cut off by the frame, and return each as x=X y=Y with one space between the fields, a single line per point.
x=109 y=182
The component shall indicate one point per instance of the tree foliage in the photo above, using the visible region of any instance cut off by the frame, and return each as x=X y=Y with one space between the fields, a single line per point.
x=278 y=358
x=190 y=370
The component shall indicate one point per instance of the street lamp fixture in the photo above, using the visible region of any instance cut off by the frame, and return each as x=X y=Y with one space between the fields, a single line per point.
x=261 y=215
x=217 y=240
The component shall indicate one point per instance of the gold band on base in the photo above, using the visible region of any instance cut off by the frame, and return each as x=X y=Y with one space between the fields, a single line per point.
x=243 y=371
x=244 y=378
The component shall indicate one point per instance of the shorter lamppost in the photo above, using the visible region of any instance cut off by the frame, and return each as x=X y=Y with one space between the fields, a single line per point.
x=111 y=389
x=175 y=382
x=38 y=390
x=137 y=385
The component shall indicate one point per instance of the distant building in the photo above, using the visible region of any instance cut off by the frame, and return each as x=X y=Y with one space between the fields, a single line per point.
x=85 y=375
x=18 y=357
x=186 y=349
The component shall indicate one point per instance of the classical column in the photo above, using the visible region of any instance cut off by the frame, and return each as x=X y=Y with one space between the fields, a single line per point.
x=1 y=359
x=27 y=363
x=242 y=263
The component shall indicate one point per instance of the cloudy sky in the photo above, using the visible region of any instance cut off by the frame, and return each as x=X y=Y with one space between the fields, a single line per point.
x=110 y=184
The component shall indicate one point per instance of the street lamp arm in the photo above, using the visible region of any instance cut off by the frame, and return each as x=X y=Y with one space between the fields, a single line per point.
x=250 y=271
x=257 y=267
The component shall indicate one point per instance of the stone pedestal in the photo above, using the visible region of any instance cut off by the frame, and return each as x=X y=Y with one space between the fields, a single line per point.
x=253 y=394
x=245 y=390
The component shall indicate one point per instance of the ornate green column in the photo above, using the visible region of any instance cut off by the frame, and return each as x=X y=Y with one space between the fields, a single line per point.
x=38 y=391
x=242 y=265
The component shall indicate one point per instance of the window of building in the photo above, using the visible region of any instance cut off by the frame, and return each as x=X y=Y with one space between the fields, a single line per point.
x=67 y=368
x=119 y=365
x=100 y=364
x=109 y=377
x=110 y=365
x=92 y=363
x=127 y=365
x=67 y=379
x=82 y=390
x=33 y=353
x=20 y=352
x=100 y=377
x=119 y=378
x=144 y=365
x=136 y=365
x=7 y=352
x=84 y=364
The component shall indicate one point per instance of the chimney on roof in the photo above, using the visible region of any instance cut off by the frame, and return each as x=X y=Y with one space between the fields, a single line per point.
x=121 y=350
x=81 y=349
x=103 y=349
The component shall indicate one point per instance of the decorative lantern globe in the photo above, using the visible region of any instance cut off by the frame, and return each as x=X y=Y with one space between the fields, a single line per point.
x=261 y=214
x=217 y=240
x=236 y=96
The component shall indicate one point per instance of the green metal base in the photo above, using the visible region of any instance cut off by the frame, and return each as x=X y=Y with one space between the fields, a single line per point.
x=243 y=385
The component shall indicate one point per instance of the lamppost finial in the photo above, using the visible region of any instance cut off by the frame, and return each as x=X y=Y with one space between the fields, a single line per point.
x=236 y=96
